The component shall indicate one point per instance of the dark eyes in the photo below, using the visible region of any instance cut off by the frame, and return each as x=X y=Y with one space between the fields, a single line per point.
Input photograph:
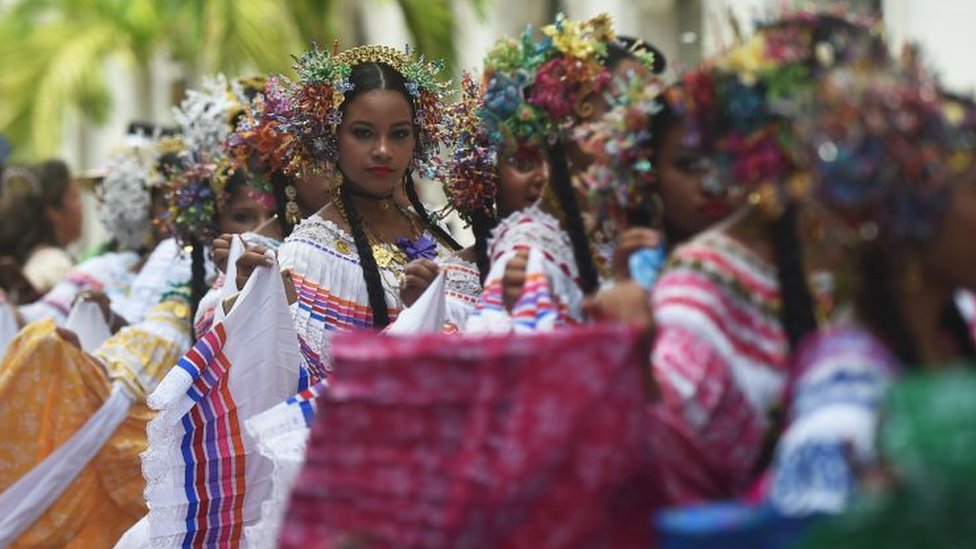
x=244 y=217
x=524 y=164
x=693 y=163
x=366 y=133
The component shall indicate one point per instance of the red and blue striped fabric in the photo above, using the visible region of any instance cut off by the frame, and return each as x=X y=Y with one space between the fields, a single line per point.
x=205 y=478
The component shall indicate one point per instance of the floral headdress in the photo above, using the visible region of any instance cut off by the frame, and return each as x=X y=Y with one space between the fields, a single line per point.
x=888 y=146
x=747 y=107
x=470 y=175
x=258 y=146
x=536 y=88
x=318 y=95
x=621 y=174
x=194 y=192
x=124 y=197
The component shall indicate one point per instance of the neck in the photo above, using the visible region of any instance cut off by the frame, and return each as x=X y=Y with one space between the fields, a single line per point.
x=374 y=209
x=923 y=307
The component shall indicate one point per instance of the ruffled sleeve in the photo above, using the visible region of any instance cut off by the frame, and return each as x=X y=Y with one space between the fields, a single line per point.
x=551 y=296
x=719 y=358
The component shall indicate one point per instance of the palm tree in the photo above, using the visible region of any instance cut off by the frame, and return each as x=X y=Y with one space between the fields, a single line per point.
x=54 y=51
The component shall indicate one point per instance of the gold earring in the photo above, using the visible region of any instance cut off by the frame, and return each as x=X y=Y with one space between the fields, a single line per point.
x=292 y=212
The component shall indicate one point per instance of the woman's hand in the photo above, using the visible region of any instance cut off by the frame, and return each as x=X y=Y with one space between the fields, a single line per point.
x=417 y=277
x=628 y=242
x=114 y=321
x=249 y=260
x=69 y=337
x=220 y=249
x=628 y=303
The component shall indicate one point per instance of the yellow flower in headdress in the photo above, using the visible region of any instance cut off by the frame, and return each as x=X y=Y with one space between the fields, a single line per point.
x=580 y=40
x=954 y=113
x=747 y=60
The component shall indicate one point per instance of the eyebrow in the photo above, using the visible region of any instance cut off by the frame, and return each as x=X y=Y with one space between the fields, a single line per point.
x=371 y=125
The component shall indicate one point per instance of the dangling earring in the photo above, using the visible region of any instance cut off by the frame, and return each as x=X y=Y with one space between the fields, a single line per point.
x=293 y=214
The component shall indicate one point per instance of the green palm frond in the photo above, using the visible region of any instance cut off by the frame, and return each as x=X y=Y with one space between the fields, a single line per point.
x=431 y=25
x=63 y=74
x=54 y=51
x=247 y=35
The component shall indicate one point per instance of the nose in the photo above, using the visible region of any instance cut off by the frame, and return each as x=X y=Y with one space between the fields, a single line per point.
x=712 y=185
x=382 y=148
x=542 y=173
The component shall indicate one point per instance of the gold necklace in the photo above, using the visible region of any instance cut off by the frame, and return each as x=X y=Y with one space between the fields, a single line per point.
x=386 y=254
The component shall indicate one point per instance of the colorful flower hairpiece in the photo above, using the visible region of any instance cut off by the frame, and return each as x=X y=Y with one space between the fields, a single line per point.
x=746 y=107
x=622 y=172
x=192 y=174
x=535 y=88
x=888 y=146
x=191 y=200
x=318 y=95
x=258 y=146
x=470 y=175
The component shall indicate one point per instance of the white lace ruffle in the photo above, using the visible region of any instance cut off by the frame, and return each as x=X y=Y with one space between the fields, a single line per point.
x=281 y=435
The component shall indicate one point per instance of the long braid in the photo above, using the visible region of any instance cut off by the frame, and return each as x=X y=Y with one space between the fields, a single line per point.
x=371 y=272
x=563 y=190
x=278 y=183
x=428 y=223
x=481 y=226
x=198 y=275
x=797 y=312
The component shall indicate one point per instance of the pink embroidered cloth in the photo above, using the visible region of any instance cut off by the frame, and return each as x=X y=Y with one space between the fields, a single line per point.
x=460 y=441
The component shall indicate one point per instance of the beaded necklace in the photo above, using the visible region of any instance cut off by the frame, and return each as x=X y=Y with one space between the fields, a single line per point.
x=392 y=256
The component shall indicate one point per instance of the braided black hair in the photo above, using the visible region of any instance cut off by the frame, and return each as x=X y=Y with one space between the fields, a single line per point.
x=371 y=271
x=425 y=219
x=198 y=274
x=481 y=226
x=878 y=306
x=563 y=190
x=796 y=311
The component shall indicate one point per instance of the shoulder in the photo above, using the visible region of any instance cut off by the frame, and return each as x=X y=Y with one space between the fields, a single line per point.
x=717 y=272
x=318 y=239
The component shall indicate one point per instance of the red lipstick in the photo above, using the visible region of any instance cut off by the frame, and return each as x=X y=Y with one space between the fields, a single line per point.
x=380 y=170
